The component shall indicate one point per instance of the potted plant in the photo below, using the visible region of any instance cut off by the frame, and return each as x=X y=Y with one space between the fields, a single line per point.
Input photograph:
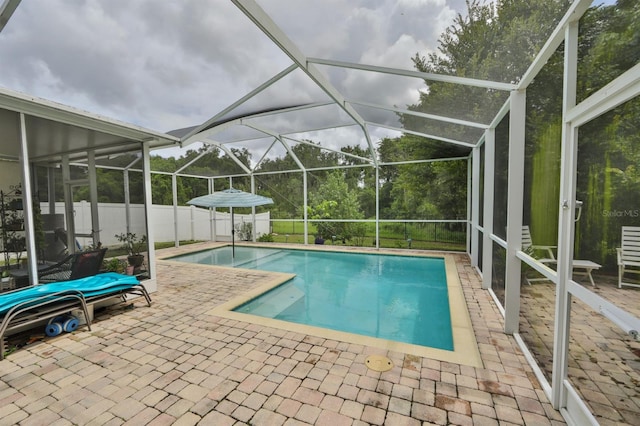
x=14 y=222
x=133 y=245
x=16 y=243
x=6 y=276
x=115 y=265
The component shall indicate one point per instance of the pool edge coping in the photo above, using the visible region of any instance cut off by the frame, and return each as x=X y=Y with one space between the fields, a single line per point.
x=466 y=351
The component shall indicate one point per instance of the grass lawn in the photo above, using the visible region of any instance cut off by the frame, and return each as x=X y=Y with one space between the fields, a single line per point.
x=423 y=236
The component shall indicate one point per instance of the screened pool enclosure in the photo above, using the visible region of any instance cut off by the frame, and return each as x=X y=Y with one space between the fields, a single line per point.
x=475 y=127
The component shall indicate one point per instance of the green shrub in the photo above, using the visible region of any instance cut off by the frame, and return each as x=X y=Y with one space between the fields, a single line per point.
x=266 y=238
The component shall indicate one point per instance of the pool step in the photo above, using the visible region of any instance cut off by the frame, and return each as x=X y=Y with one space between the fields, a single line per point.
x=254 y=261
x=280 y=301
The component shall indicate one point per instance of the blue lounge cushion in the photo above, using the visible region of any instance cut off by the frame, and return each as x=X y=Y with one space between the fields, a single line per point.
x=97 y=285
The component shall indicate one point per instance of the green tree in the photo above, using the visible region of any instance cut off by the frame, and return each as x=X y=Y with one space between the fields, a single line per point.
x=422 y=190
x=334 y=200
x=162 y=189
x=608 y=150
x=287 y=189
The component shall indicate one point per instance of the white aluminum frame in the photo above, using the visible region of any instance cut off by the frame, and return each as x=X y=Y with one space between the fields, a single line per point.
x=620 y=90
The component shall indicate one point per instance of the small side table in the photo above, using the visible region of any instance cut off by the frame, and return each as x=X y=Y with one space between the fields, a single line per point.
x=584 y=269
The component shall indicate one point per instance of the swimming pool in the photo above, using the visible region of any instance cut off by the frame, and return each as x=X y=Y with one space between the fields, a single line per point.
x=465 y=346
x=400 y=298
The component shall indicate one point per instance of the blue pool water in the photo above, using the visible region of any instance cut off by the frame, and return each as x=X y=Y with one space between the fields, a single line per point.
x=399 y=298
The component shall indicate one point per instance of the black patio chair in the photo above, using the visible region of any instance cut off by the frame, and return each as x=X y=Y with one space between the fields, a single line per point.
x=77 y=265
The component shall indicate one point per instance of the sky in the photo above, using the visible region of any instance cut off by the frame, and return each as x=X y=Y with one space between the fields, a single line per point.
x=165 y=65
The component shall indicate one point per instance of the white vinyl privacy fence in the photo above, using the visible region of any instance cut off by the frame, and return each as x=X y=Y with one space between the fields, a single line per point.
x=193 y=223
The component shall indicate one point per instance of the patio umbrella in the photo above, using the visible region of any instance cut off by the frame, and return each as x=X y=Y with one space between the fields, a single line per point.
x=230 y=198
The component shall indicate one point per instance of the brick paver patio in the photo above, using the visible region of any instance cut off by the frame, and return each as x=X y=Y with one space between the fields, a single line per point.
x=604 y=362
x=174 y=364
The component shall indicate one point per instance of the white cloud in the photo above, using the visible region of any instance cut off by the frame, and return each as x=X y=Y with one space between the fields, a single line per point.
x=166 y=65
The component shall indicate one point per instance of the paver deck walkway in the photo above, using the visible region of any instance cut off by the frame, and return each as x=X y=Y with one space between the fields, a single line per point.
x=604 y=361
x=174 y=364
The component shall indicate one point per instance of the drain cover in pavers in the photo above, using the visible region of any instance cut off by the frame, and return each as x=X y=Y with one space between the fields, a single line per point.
x=378 y=363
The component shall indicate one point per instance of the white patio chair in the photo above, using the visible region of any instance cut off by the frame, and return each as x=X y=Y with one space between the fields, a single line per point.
x=629 y=256
x=527 y=244
x=580 y=267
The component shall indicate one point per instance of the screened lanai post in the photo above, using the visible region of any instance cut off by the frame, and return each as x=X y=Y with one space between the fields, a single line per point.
x=377 y=167
x=475 y=205
x=487 y=242
x=148 y=203
x=212 y=212
x=469 y=189
x=93 y=197
x=7 y=8
x=304 y=187
x=174 y=188
x=304 y=210
x=253 y=210
x=233 y=224
x=233 y=234
x=127 y=195
x=68 y=204
x=28 y=206
x=127 y=200
x=515 y=199
x=568 y=178
x=51 y=189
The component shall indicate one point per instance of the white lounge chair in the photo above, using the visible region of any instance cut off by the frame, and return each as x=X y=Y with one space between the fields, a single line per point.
x=629 y=256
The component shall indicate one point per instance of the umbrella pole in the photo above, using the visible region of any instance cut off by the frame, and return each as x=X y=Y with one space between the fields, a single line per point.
x=233 y=233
